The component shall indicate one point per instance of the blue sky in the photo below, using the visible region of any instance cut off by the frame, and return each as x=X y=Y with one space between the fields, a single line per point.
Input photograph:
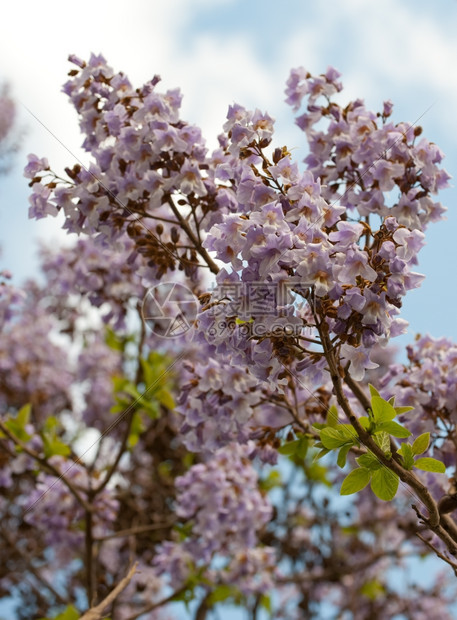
x=221 y=51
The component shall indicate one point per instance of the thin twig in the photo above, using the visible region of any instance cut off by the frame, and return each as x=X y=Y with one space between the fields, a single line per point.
x=153 y=606
x=198 y=246
x=49 y=467
x=90 y=568
x=140 y=529
x=97 y=612
x=438 y=553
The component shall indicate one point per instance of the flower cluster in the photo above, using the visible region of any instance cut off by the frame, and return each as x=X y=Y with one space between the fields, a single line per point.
x=143 y=157
x=221 y=501
x=217 y=404
x=211 y=493
x=33 y=367
x=246 y=128
x=361 y=157
x=109 y=277
x=222 y=403
x=342 y=272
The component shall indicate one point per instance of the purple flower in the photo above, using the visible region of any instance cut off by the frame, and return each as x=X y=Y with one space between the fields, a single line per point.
x=115 y=119
x=410 y=243
x=359 y=360
x=375 y=310
x=297 y=87
x=191 y=180
x=35 y=165
x=40 y=206
x=355 y=265
x=348 y=234
x=386 y=172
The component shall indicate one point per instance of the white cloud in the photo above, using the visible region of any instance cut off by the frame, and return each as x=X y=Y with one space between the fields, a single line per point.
x=389 y=50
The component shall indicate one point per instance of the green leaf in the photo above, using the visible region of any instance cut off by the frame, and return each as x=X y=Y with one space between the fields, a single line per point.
x=369 y=461
x=52 y=445
x=154 y=370
x=113 y=340
x=136 y=428
x=165 y=398
x=131 y=389
x=17 y=430
x=421 y=443
x=221 y=593
x=332 y=438
x=407 y=453
x=384 y=484
x=151 y=408
x=373 y=391
x=17 y=424
x=70 y=613
x=395 y=429
x=302 y=447
x=297 y=448
x=184 y=530
x=364 y=422
x=265 y=602
x=51 y=423
x=332 y=416
x=186 y=597
x=355 y=481
x=383 y=440
x=273 y=480
x=118 y=383
x=321 y=454
x=426 y=463
x=372 y=589
x=317 y=472
x=350 y=530
x=118 y=408
x=401 y=410
x=288 y=448
x=23 y=415
x=382 y=410
x=342 y=455
x=348 y=431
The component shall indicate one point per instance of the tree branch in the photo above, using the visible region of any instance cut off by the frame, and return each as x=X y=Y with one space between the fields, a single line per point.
x=195 y=242
x=139 y=529
x=405 y=475
x=97 y=612
x=90 y=569
x=357 y=391
x=48 y=467
x=438 y=553
x=153 y=606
